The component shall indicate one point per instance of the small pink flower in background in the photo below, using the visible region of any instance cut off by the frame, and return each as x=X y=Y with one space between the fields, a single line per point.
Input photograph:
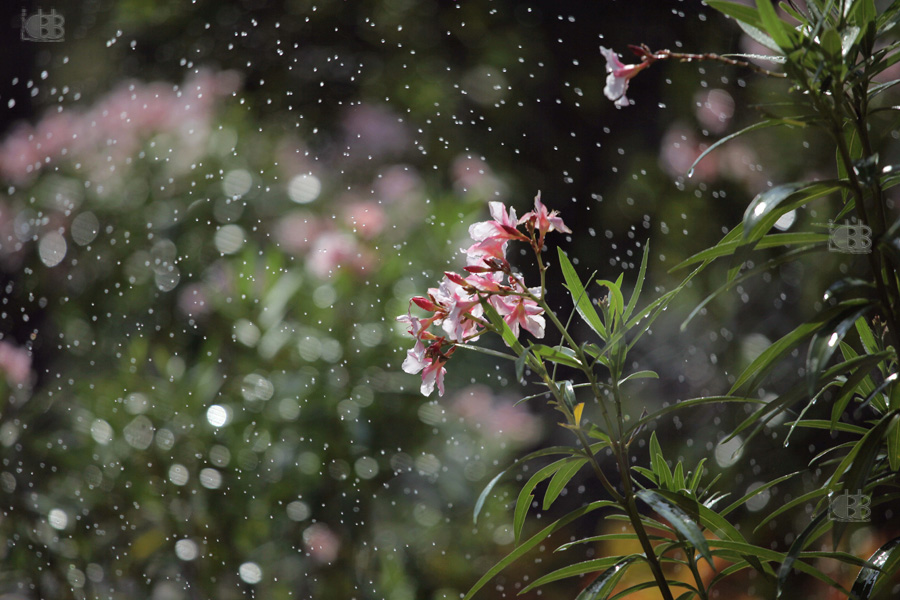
x=618 y=75
x=329 y=251
x=495 y=415
x=15 y=364
x=296 y=231
x=321 y=543
x=714 y=109
x=679 y=149
x=365 y=217
x=372 y=130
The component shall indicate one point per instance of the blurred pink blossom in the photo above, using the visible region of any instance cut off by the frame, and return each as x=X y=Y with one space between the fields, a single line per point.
x=714 y=109
x=330 y=250
x=15 y=363
x=365 y=217
x=295 y=232
x=321 y=543
x=679 y=149
x=374 y=131
x=117 y=124
x=496 y=416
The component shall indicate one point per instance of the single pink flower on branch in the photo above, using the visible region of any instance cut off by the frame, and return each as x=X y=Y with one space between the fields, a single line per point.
x=619 y=74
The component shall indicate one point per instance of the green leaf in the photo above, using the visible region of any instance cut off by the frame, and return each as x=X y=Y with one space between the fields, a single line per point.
x=756 y=491
x=646 y=585
x=588 y=566
x=616 y=300
x=549 y=451
x=638 y=284
x=728 y=138
x=698 y=473
x=679 y=519
x=774 y=26
x=769 y=264
x=885 y=561
x=678 y=478
x=856 y=384
x=658 y=463
x=639 y=375
x=770 y=241
x=739 y=12
x=523 y=502
x=761 y=214
x=769 y=206
x=866 y=336
x=534 y=541
x=520 y=366
x=714 y=522
x=602 y=587
x=826 y=341
x=861 y=459
x=822 y=424
x=609 y=537
x=793 y=552
x=579 y=296
x=561 y=355
x=560 y=479
x=688 y=404
x=893 y=444
x=763 y=363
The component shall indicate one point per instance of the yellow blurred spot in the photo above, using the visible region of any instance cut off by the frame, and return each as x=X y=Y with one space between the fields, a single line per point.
x=579 y=408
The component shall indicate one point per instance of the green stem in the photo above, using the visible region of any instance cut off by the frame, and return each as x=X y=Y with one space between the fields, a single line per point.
x=874 y=257
x=628 y=500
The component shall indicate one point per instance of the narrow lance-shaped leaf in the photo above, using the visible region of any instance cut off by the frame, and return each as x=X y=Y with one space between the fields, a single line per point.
x=679 y=520
x=534 y=541
x=549 y=451
x=579 y=296
x=886 y=560
x=602 y=587
x=793 y=552
x=560 y=479
x=638 y=284
x=867 y=450
x=773 y=25
x=728 y=138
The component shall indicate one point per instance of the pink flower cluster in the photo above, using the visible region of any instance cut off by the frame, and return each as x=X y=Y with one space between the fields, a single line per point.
x=457 y=304
x=117 y=125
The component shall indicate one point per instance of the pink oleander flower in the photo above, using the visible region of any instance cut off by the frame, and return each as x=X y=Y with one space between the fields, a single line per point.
x=457 y=303
x=543 y=220
x=618 y=75
x=430 y=362
x=431 y=375
x=503 y=225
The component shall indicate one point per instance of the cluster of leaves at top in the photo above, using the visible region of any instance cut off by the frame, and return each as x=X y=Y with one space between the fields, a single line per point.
x=830 y=52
